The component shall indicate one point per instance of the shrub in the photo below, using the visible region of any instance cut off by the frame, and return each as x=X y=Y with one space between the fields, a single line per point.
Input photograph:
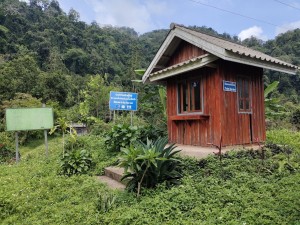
x=150 y=164
x=81 y=142
x=105 y=202
x=6 y=154
x=277 y=149
x=121 y=136
x=295 y=119
x=7 y=139
x=99 y=127
x=6 y=147
x=6 y=209
x=151 y=132
x=76 y=162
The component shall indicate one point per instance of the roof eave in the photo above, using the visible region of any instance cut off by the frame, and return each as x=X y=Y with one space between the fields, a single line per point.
x=159 y=54
x=258 y=63
x=213 y=49
x=183 y=67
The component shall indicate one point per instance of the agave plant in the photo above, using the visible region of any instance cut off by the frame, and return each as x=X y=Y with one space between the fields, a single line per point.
x=147 y=164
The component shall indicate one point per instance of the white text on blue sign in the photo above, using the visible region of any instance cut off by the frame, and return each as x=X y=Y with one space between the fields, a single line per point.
x=123 y=101
x=229 y=86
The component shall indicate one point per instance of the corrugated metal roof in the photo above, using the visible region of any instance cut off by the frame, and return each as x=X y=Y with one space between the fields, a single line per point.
x=188 y=65
x=199 y=58
x=218 y=47
x=236 y=48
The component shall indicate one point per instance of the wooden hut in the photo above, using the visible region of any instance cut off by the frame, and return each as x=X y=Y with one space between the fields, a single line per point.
x=214 y=88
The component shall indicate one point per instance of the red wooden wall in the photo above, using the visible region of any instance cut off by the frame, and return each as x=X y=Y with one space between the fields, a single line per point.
x=220 y=115
x=239 y=128
x=185 y=51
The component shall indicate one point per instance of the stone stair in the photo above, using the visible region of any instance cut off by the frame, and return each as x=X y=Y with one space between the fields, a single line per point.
x=112 y=177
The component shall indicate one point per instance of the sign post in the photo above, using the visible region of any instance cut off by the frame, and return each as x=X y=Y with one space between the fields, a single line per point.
x=46 y=137
x=19 y=119
x=127 y=101
x=17 y=146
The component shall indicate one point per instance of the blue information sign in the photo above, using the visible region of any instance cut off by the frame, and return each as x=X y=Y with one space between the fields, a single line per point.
x=123 y=101
x=229 y=86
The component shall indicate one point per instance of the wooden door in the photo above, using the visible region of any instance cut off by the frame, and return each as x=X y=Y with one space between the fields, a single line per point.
x=244 y=131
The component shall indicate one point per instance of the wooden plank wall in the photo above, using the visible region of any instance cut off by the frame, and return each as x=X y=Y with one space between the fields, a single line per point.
x=258 y=107
x=192 y=132
x=222 y=108
x=189 y=132
x=213 y=97
x=185 y=51
x=237 y=127
x=172 y=110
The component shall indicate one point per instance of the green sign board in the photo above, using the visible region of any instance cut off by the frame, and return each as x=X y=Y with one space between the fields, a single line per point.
x=29 y=119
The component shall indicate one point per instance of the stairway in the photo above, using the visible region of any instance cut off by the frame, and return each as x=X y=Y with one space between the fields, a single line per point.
x=112 y=177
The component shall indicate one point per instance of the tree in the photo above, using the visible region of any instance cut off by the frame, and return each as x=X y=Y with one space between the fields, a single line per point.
x=21 y=100
x=52 y=86
x=96 y=97
x=18 y=75
x=77 y=61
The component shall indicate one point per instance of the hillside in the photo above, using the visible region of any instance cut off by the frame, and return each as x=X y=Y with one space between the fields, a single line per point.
x=51 y=45
x=52 y=57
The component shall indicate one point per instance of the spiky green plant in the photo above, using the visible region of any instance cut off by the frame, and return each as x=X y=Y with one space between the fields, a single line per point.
x=151 y=163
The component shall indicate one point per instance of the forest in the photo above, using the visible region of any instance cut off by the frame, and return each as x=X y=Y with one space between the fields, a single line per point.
x=48 y=56
x=52 y=57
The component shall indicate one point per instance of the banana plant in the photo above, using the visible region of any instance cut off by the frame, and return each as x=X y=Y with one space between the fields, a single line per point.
x=272 y=105
x=139 y=72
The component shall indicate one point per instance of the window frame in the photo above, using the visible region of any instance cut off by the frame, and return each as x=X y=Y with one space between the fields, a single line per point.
x=190 y=96
x=244 y=98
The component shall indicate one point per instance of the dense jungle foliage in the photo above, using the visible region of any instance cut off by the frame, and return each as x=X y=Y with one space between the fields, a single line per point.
x=50 y=56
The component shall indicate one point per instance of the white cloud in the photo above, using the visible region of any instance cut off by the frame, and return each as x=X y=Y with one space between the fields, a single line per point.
x=254 y=31
x=286 y=27
x=134 y=13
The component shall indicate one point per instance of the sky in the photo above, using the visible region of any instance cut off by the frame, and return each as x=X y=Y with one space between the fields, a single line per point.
x=263 y=19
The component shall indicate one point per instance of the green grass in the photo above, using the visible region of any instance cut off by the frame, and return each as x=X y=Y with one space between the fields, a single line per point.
x=242 y=189
x=32 y=192
x=285 y=137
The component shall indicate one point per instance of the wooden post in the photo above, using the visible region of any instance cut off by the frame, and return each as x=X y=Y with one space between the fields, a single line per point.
x=114 y=116
x=46 y=143
x=17 y=147
x=46 y=138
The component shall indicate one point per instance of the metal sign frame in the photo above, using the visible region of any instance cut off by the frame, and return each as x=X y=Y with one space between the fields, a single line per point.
x=22 y=119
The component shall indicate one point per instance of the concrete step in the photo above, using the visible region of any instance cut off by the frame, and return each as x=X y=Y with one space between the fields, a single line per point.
x=112 y=177
x=115 y=173
x=111 y=183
